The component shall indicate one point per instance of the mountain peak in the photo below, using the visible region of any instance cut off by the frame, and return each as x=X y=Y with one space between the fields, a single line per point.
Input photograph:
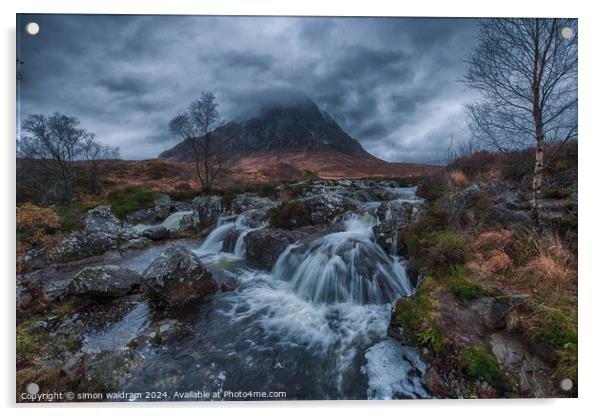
x=281 y=124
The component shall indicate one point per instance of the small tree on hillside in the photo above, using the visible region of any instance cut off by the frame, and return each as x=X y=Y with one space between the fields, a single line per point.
x=196 y=128
x=526 y=70
x=96 y=154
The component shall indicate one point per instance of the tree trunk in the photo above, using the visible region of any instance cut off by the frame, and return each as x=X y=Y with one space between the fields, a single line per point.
x=538 y=177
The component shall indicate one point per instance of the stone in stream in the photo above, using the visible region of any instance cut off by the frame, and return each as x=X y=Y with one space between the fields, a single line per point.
x=163 y=206
x=156 y=232
x=263 y=246
x=104 y=282
x=176 y=277
x=208 y=209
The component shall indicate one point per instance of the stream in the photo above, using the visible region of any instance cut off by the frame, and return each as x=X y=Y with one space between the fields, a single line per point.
x=315 y=327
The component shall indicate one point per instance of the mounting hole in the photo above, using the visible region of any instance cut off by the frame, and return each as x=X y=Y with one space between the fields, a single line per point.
x=566 y=32
x=32 y=28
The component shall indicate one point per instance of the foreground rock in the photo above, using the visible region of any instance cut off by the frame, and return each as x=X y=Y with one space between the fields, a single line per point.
x=104 y=282
x=176 y=277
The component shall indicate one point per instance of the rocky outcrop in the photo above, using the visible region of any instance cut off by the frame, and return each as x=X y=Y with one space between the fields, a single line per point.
x=247 y=202
x=104 y=282
x=494 y=310
x=176 y=277
x=208 y=209
x=393 y=217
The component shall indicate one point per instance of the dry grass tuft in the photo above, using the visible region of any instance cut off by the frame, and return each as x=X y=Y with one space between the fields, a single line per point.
x=497 y=262
x=493 y=240
x=459 y=178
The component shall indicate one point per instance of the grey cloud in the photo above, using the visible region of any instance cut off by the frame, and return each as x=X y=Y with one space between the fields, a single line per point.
x=389 y=82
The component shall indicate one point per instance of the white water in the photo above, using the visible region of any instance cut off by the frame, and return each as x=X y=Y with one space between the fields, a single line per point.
x=172 y=223
x=318 y=321
x=346 y=266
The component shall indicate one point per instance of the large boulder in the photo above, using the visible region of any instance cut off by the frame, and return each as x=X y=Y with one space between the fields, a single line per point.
x=102 y=232
x=208 y=209
x=104 y=282
x=82 y=244
x=264 y=246
x=393 y=217
x=176 y=277
x=163 y=206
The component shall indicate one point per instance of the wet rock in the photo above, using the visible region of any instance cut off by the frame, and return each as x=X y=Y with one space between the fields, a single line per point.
x=468 y=197
x=247 y=202
x=264 y=246
x=142 y=216
x=256 y=217
x=494 y=310
x=34 y=259
x=160 y=333
x=104 y=282
x=163 y=206
x=177 y=276
x=138 y=243
x=230 y=240
x=325 y=208
x=531 y=374
x=188 y=222
x=156 y=232
x=208 y=209
x=109 y=368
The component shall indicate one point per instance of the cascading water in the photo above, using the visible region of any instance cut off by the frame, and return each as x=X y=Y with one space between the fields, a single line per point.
x=346 y=266
x=315 y=327
x=215 y=240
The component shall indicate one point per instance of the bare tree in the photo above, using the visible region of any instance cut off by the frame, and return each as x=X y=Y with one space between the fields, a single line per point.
x=196 y=128
x=56 y=143
x=54 y=139
x=526 y=70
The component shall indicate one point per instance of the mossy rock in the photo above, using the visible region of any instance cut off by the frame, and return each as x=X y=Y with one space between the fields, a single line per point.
x=478 y=363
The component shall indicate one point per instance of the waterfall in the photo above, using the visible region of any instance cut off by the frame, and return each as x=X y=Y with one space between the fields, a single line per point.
x=215 y=240
x=345 y=266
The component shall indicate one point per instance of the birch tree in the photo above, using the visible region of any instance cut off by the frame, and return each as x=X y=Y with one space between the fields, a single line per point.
x=526 y=71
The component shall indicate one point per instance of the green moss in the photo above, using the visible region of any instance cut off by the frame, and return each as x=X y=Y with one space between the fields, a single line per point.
x=556 y=329
x=478 y=363
x=25 y=343
x=289 y=214
x=130 y=199
x=71 y=217
x=463 y=286
x=418 y=317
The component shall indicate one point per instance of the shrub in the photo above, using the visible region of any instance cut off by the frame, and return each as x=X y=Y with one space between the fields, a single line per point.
x=478 y=363
x=289 y=214
x=556 y=193
x=432 y=187
x=445 y=249
x=34 y=221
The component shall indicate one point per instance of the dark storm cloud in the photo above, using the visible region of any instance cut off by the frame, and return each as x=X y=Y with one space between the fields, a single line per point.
x=390 y=82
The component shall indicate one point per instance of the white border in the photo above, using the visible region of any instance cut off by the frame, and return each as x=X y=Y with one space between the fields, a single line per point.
x=590 y=147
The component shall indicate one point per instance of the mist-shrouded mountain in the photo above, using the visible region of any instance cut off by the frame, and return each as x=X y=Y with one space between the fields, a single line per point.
x=298 y=126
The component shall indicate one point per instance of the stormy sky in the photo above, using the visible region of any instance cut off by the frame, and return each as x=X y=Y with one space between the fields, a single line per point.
x=391 y=83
